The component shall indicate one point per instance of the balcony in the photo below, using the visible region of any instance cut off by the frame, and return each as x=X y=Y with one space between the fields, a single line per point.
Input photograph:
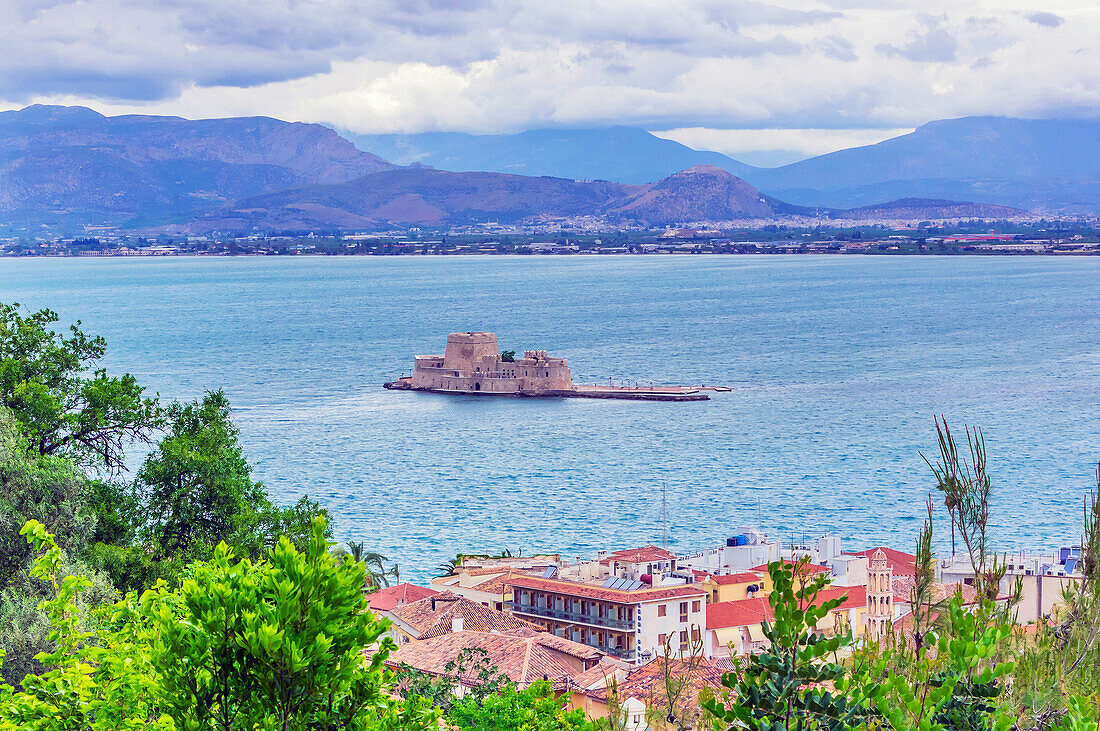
x=567 y=616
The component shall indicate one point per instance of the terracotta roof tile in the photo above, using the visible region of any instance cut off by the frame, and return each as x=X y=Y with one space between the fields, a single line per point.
x=391 y=597
x=589 y=591
x=901 y=563
x=745 y=577
x=646 y=553
x=740 y=613
x=523 y=659
x=435 y=616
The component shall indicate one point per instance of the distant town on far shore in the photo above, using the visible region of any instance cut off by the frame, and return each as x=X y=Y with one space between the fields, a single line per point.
x=972 y=237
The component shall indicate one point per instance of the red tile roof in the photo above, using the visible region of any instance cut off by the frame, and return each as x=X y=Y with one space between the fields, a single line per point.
x=390 y=597
x=809 y=568
x=435 y=616
x=856 y=596
x=745 y=577
x=589 y=591
x=645 y=554
x=901 y=563
x=740 y=613
x=523 y=659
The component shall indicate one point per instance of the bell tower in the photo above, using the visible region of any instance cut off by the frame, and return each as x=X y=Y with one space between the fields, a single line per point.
x=880 y=595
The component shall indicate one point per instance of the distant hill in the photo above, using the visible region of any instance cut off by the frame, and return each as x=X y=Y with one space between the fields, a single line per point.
x=72 y=165
x=923 y=208
x=617 y=154
x=700 y=193
x=1046 y=164
x=427 y=197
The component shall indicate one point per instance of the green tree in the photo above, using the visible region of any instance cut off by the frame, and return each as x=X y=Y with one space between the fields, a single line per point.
x=197 y=486
x=63 y=405
x=535 y=708
x=275 y=644
x=786 y=686
x=46 y=488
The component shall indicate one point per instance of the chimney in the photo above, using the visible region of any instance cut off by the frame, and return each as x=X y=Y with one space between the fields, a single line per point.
x=456 y=623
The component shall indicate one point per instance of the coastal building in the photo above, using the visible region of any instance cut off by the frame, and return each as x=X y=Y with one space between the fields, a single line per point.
x=634 y=563
x=627 y=619
x=742 y=551
x=487 y=586
x=736 y=627
x=445 y=613
x=473 y=363
x=732 y=587
x=1042 y=578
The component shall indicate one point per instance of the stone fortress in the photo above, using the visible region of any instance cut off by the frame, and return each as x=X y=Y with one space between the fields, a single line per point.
x=474 y=365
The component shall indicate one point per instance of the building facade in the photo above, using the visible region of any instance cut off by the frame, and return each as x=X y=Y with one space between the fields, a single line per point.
x=634 y=625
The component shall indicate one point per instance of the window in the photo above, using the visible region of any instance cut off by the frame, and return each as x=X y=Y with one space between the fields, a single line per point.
x=683 y=611
x=695 y=606
x=683 y=639
x=694 y=634
x=662 y=610
x=662 y=639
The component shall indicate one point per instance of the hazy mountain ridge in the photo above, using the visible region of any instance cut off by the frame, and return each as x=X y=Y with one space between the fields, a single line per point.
x=617 y=154
x=1049 y=164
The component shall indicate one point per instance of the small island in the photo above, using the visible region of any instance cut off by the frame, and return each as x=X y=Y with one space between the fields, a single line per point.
x=474 y=365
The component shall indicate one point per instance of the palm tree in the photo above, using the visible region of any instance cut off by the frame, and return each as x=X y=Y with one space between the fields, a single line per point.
x=377 y=575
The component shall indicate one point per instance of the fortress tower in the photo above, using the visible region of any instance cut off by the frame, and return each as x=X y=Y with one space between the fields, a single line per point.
x=880 y=592
x=471 y=351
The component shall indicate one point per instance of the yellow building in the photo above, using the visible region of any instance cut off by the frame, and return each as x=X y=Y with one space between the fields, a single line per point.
x=734 y=587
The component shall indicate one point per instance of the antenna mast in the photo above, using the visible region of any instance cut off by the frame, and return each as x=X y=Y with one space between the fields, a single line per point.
x=664 y=515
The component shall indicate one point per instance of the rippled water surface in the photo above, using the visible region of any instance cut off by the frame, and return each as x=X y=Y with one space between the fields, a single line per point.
x=837 y=365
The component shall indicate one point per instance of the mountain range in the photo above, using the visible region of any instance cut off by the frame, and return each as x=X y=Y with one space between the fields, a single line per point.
x=1052 y=165
x=64 y=169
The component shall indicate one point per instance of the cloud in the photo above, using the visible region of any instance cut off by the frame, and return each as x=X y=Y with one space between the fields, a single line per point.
x=802 y=142
x=1049 y=20
x=933 y=43
x=505 y=65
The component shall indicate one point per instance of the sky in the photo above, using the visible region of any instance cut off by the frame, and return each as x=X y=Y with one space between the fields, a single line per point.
x=738 y=76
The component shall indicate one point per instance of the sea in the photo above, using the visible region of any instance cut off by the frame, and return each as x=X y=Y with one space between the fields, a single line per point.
x=837 y=366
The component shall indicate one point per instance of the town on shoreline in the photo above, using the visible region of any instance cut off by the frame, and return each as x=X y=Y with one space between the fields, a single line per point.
x=623 y=610
x=1059 y=238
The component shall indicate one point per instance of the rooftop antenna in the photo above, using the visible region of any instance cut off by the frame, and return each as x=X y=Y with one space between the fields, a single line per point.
x=664 y=515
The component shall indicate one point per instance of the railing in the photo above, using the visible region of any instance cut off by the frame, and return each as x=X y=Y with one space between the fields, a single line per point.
x=570 y=616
